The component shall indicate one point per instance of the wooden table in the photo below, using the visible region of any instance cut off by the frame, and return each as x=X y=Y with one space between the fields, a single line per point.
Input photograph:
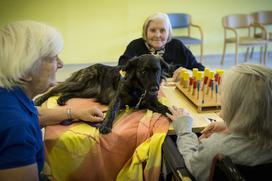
x=176 y=98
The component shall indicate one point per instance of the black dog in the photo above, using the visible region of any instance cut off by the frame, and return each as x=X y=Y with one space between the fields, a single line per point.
x=137 y=88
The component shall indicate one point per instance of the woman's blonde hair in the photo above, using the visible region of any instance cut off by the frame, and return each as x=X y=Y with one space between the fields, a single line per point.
x=157 y=16
x=247 y=102
x=22 y=44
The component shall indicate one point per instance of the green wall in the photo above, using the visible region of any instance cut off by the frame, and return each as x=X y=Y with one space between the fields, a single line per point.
x=99 y=30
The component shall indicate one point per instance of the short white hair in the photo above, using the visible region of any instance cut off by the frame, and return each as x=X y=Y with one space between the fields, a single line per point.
x=247 y=102
x=158 y=16
x=22 y=44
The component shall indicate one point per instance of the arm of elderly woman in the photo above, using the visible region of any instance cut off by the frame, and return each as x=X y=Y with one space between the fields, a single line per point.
x=213 y=128
x=190 y=146
x=182 y=123
x=56 y=115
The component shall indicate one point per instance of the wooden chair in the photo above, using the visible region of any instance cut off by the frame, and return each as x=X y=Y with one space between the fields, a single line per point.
x=184 y=21
x=238 y=24
x=264 y=19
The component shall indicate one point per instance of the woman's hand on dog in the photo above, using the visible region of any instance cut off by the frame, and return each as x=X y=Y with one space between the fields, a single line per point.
x=176 y=113
x=92 y=114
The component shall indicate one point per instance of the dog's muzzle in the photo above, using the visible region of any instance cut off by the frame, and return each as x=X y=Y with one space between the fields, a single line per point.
x=153 y=90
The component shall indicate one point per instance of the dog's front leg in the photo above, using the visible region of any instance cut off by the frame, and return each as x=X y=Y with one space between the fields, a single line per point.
x=114 y=107
x=154 y=105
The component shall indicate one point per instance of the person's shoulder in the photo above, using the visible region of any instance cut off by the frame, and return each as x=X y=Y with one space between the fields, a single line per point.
x=10 y=105
x=6 y=96
x=174 y=42
x=138 y=41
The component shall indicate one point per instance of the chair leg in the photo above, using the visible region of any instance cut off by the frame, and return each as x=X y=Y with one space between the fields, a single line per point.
x=247 y=53
x=201 y=52
x=236 y=53
x=265 y=53
x=261 y=55
x=251 y=52
x=224 y=52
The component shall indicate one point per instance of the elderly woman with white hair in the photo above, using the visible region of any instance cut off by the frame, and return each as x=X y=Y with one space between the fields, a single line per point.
x=245 y=135
x=28 y=64
x=157 y=39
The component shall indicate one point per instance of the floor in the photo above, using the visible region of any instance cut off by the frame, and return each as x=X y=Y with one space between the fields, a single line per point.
x=212 y=62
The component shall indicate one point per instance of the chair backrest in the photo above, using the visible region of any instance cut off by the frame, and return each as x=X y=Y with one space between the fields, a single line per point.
x=224 y=169
x=179 y=20
x=262 y=17
x=237 y=21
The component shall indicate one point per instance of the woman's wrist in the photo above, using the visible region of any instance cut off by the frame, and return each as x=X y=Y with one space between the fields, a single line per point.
x=183 y=124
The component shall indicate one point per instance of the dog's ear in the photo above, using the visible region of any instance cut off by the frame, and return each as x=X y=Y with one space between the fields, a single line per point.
x=164 y=65
x=131 y=64
x=166 y=69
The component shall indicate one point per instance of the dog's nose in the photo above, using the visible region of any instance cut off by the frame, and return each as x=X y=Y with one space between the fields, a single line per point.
x=154 y=89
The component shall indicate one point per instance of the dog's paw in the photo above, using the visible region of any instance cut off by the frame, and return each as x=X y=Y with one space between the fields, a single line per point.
x=104 y=129
x=61 y=101
x=167 y=111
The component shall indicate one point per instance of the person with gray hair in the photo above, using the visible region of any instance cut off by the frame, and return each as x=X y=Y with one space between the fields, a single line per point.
x=245 y=135
x=157 y=39
x=28 y=64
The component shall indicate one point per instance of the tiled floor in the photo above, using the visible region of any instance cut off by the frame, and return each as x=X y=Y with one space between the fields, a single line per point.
x=212 y=62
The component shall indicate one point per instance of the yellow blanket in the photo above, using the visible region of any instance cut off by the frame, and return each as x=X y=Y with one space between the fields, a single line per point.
x=132 y=151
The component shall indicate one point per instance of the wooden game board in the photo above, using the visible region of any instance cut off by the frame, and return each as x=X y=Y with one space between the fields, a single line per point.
x=210 y=104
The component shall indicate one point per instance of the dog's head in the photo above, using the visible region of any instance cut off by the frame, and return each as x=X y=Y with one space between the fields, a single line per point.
x=148 y=71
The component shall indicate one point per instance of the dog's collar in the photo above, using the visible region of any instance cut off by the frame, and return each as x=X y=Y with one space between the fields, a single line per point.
x=122 y=73
x=140 y=100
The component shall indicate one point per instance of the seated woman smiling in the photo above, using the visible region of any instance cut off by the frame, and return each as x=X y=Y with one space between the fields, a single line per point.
x=157 y=39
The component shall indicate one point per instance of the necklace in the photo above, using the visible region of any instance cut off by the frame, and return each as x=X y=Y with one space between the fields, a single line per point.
x=154 y=51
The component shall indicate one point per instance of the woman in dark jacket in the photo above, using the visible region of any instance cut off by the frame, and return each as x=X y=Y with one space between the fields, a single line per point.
x=157 y=39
